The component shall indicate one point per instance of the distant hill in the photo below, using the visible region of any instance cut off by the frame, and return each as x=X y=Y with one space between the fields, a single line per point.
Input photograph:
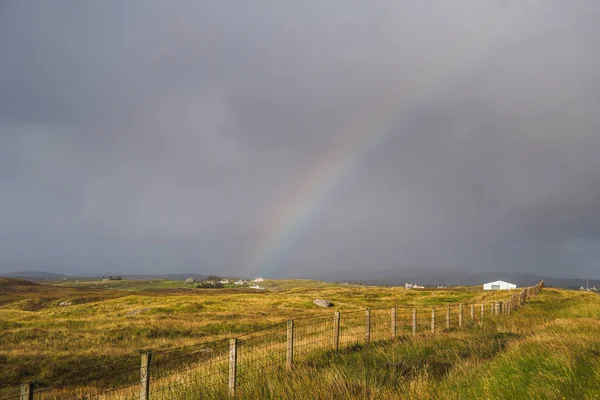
x=34 y=275
x=50 y=276
x=426 y=277
x=16 y=282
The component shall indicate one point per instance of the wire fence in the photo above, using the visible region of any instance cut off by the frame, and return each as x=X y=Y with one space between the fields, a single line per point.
x=222 y=368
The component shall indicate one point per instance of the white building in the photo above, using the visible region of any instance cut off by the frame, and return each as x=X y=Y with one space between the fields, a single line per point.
x=239 y=282
x=257 y=287
x=190 y=280
x=259 y=279
x=224 y=281
x=413 y=286
x=499 y=285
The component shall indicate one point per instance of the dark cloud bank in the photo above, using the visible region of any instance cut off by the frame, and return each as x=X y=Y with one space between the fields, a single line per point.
x=158 y=137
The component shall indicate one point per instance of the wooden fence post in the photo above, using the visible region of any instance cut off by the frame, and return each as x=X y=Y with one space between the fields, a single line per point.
x=448 y=317
x=289 y=354
x=433 y=320
x=145 y=376
x=393 y=327
x=336 y=330
x=26 y=391
x=460 y=315
x=482 y=311
x=232 y=366
x=367 y=325
x=472 y=312
x=414 y=321
x=493 y=308
x=498 y=307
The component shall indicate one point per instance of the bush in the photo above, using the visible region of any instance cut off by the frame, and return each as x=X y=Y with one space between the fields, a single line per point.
x=210 y=285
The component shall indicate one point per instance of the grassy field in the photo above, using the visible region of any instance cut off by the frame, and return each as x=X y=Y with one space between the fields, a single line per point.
x=549 y=349
x=108 y=324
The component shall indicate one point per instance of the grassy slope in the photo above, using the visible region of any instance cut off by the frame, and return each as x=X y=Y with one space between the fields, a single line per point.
x=549 y=349
x=38 y=338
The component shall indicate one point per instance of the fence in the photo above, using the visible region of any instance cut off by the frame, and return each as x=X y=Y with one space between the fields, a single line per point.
x=221 y=368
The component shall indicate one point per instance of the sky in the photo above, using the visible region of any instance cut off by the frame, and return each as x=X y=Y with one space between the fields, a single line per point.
x=295 y=138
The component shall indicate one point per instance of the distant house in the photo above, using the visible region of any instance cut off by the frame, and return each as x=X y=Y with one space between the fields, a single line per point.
x=259 y=279
x=257 y=287
x=238 y=282
x=224 y=281
x=111 y=278
x=413 y=286
x=499 y=285
x=190 y=280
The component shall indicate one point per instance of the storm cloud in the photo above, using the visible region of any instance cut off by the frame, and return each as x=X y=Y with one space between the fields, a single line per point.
x=160 y=137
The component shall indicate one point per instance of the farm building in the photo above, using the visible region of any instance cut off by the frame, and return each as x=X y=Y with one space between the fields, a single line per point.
x=499 y=285
x=413 y=286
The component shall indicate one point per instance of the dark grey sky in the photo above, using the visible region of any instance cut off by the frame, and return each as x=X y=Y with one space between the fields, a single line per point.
x=276 y=138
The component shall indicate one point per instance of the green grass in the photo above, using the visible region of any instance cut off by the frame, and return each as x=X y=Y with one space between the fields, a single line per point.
x=549 y=349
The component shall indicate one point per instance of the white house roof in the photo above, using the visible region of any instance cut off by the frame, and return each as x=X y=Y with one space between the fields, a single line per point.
x=498 y=283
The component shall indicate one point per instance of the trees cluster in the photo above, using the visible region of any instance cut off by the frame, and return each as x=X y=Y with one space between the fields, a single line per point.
x=210 y=285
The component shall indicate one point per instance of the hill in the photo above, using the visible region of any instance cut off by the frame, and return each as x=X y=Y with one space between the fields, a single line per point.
x=38 y=275
x=16 y=282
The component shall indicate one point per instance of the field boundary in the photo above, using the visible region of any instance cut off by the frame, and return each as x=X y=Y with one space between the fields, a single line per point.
x=221 y=368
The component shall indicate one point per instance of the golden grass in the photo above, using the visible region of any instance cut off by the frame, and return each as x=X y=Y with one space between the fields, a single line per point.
x=40 y=339
x=549 y=349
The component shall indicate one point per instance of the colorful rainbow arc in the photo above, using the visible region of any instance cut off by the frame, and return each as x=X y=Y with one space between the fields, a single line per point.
x=316 y=188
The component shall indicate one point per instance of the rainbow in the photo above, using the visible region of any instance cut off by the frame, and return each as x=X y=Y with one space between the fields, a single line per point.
x=312 y=192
